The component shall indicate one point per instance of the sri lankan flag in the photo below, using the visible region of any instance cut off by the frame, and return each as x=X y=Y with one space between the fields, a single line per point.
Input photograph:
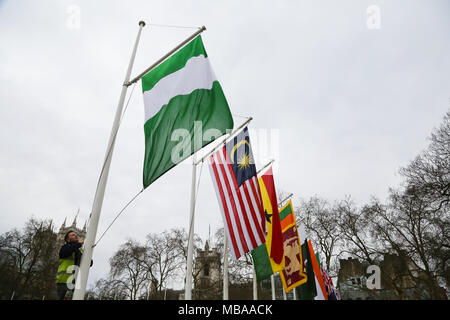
x=268 y=258
x=293 y=274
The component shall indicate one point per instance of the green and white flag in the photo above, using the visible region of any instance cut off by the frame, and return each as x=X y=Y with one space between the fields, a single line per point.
x=185 y=109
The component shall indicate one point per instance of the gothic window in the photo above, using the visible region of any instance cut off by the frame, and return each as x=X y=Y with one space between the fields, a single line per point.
x=206 y=270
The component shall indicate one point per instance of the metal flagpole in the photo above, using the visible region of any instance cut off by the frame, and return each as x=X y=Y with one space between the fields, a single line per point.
x=81 y=280
x=188 y=284
x=295 y=294
x=268 y=164
x=168 y=54
x=287 y=198
x=225 y=265
x=284 y=294
x=272 y=283
x=255 y=285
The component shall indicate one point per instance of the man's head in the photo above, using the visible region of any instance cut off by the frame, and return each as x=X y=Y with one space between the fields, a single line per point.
x=71 y=237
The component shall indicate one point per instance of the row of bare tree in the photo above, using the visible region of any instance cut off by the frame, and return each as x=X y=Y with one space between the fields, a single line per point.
x=412 y=224
x=143 y=271
x=151 y=270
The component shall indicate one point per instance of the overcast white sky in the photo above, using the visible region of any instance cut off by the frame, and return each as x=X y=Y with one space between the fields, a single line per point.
x=342 y=104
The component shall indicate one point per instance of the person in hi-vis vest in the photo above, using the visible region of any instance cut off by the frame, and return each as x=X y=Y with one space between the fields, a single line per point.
x=69 y=261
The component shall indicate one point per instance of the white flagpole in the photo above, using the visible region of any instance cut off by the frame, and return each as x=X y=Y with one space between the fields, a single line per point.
x=287 y=198
x=81 y=280
x=188 y=284
x=168 y=54
x=295 y=294
x=272 y=282
x=255 y=285
x=284 y=294
x=225 y=266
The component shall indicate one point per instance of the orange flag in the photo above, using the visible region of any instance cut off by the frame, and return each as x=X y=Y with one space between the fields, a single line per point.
x=317 y=271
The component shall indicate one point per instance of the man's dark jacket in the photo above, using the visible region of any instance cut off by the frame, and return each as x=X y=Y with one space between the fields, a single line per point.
x=69 y=248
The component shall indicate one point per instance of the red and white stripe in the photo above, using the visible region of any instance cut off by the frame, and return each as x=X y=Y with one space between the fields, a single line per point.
x=328 y=281
x=241 y=207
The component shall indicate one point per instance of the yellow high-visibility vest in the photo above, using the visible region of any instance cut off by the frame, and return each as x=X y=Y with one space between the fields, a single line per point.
x=65 y=270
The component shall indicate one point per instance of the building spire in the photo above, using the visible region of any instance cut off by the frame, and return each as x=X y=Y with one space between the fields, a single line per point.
x=74 y=223
x=64 y=223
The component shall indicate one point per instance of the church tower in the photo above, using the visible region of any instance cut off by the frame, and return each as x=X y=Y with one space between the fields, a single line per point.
x=64 y=229
x=207 y=274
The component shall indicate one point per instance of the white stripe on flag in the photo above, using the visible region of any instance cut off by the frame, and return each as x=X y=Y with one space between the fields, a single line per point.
x=237 y=209
x=230 y=208
x=233 y=212
x=238 y=205
x=196 y=74
x=254 y=205
x=222 y=209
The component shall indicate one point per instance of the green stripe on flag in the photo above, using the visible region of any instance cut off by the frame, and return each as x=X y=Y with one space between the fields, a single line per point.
x=208 y=106
x=261 y=262
x=287 y=211
x=174 y=63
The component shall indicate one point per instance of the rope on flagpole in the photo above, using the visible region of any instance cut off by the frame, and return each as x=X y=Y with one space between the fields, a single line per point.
x=103 y=167
x=240 y=116
x=117 y=216
x=110 y=148
x=171 y=26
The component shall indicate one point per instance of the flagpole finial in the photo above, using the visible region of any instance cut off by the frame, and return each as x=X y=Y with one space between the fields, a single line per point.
x=142 y=23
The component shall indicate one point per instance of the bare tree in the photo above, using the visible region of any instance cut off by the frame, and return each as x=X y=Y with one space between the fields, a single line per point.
x=240 y=272
x=353 y=226
x=164 y=257
x=181 y=238
x=321 y=222
x=128 y=269
x=27 y=261
x=417 y=234
x=107 y=289
x=429 y=173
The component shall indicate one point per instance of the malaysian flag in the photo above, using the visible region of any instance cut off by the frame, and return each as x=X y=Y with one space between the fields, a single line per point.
x=234 y=177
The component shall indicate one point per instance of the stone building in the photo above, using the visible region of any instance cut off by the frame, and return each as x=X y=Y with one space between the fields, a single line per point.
x=352 y=279
x=207 y=274
x=397 y=280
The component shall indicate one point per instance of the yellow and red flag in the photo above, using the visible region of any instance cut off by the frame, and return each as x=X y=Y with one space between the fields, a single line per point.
x=268 y=258
x=293 y=274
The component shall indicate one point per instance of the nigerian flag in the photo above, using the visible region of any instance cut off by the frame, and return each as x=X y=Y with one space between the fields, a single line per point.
x=185 y=109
